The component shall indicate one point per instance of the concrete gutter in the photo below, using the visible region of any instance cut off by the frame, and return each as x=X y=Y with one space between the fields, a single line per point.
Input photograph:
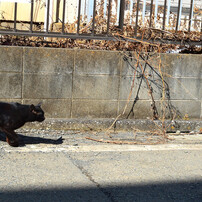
x=120 y=125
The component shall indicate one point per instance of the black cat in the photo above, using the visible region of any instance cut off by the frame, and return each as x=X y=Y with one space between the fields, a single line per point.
x=14 y=116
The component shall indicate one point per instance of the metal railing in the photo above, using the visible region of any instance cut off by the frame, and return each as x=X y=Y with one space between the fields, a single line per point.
x=121 y=17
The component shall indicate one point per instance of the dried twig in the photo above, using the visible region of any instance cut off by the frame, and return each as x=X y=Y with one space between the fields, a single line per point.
x=123 y=142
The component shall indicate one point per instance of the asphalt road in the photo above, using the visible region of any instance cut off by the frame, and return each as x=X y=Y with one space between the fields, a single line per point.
x=77 y=169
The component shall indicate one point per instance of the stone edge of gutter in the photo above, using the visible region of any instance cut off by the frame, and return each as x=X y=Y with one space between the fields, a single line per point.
x=120 y=125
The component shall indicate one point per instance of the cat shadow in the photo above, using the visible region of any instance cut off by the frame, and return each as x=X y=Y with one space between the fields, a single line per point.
x=24 y=140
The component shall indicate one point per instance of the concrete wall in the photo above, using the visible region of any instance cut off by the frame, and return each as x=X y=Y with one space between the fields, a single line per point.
x=93 y=84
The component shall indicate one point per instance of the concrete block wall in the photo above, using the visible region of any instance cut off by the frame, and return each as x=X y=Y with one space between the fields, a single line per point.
x=186 y=82
x=93 y=84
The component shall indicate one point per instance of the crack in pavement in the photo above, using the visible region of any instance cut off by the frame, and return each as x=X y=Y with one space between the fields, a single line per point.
x=89 y=176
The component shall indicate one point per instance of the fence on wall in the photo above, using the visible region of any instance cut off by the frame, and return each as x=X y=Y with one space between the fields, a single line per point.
x=97 y=19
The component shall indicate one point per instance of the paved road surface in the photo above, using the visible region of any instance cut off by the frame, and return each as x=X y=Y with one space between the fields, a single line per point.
x=77 y=169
